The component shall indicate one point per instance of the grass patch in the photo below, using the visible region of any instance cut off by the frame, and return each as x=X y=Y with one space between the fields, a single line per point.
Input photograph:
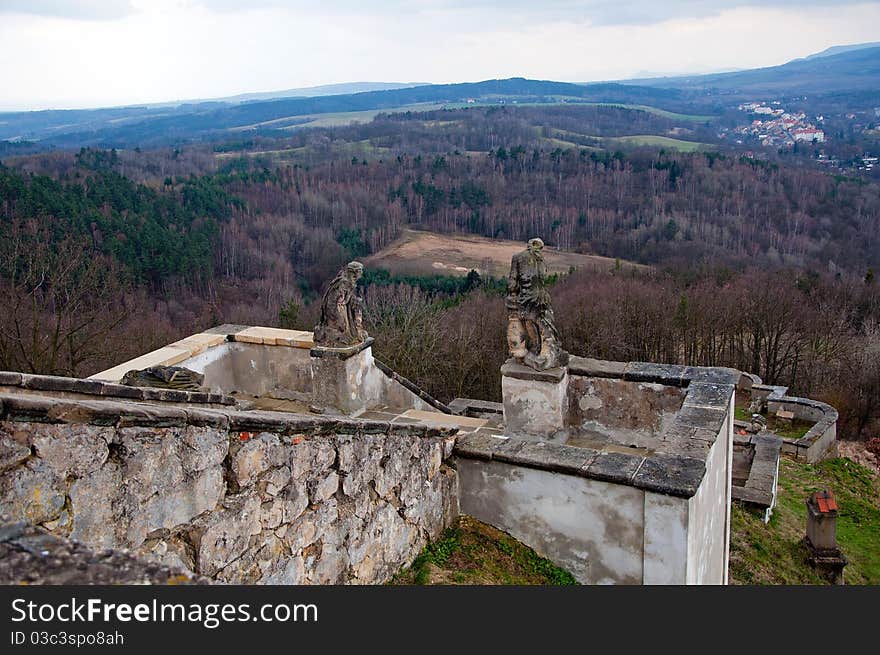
x=653 y=140
x=473 y=553
x=774 y=553
x=795 y=431
x=694 y=118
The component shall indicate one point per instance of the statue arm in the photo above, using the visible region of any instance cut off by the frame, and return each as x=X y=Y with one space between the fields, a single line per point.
x=513 y=278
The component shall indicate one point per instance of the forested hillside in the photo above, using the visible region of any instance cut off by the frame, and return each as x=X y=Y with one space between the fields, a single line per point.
x=755 y=264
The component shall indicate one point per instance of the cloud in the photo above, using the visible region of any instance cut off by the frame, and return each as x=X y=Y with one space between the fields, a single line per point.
x=594 y=12
x=77 y=9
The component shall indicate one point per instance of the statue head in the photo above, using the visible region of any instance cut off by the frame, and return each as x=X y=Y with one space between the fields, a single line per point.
x=354 y=270
x=536 y=249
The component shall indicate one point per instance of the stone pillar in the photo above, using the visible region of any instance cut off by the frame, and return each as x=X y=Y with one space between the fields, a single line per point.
x=821 y=539
x=535 y=402
x=346 y=378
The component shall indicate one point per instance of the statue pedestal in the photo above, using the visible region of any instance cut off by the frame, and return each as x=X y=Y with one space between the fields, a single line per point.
x=345 y=378
x=535 y=402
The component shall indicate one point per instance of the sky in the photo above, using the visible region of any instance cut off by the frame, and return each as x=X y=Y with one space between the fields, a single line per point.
x=96 y=53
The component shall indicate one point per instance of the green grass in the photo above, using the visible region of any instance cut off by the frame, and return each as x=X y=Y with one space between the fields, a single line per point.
x=775 y=553
x=795 y=431
x=473 y=553
x=653 y=140
x=694 y=118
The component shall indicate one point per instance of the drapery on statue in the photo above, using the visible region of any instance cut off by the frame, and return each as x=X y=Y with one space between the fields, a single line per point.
x=341 y=323
x=531 y=331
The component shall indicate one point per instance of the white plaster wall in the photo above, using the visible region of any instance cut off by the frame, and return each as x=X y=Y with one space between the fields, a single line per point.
x=666 y=540
x=709 y=515
x=252 y=368
x=591 y=528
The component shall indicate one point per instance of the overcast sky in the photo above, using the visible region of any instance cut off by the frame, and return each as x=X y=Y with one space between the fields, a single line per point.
x=89 y=53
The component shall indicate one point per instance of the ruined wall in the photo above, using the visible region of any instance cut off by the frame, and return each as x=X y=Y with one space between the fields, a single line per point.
x=630 y=413
x=237 y=497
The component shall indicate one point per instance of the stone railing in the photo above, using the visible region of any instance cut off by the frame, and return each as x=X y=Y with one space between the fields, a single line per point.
x=820 y=439
x=236 y=497
x=63 y=387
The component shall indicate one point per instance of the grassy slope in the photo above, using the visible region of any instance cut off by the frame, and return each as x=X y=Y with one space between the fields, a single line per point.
x=774 y=553
x=477 y=554
x=473 y=553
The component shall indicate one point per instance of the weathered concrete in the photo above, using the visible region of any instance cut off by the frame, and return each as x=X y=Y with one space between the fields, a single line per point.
x=354 y=384
x=627 y=413
x=535 y=402
x=252 y=368
x=654 y=435
x=560 y=517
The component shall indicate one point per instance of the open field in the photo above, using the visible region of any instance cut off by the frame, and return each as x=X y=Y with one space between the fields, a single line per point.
x=335 y=119
x=656 y=141
x=427 y=253
x=694 y=118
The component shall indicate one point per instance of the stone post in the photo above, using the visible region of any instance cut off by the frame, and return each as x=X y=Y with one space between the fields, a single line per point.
x=535 y=402
x=821 y=539
x=345 y=378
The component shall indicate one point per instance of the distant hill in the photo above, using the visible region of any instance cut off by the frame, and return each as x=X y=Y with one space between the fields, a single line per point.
x=126 y=127
x=853 y=70
x=322 y=90
x=848 y=69
x=840 y=49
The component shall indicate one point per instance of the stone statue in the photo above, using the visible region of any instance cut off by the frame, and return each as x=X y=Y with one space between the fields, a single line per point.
x=341 y=323
x=165 y=377
x=531 y=331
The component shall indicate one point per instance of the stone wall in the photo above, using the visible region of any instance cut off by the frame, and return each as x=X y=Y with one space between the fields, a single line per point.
x=237 y=497
x=819 y=441
x=640 y=496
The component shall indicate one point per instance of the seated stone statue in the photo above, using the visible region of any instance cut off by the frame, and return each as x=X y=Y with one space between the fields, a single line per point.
x=341 y=322
x=531 y=330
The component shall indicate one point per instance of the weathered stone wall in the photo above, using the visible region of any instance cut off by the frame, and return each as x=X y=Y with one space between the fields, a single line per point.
x=237 y=497
x=609 y=509
x=630 y=413
x=819 y=442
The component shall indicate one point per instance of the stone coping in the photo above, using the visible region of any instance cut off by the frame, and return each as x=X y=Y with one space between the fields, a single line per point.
x=471 y=407
x=21 y=407
x=760 y=486
x=94 y=387
x=669 y=374
x=196 y=344
x=512 y=369
x=673 y=475
x=341 y=352
x=412 y=387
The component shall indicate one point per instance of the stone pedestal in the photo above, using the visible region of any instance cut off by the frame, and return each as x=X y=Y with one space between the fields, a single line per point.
x=535 y=402
x=345 y=378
